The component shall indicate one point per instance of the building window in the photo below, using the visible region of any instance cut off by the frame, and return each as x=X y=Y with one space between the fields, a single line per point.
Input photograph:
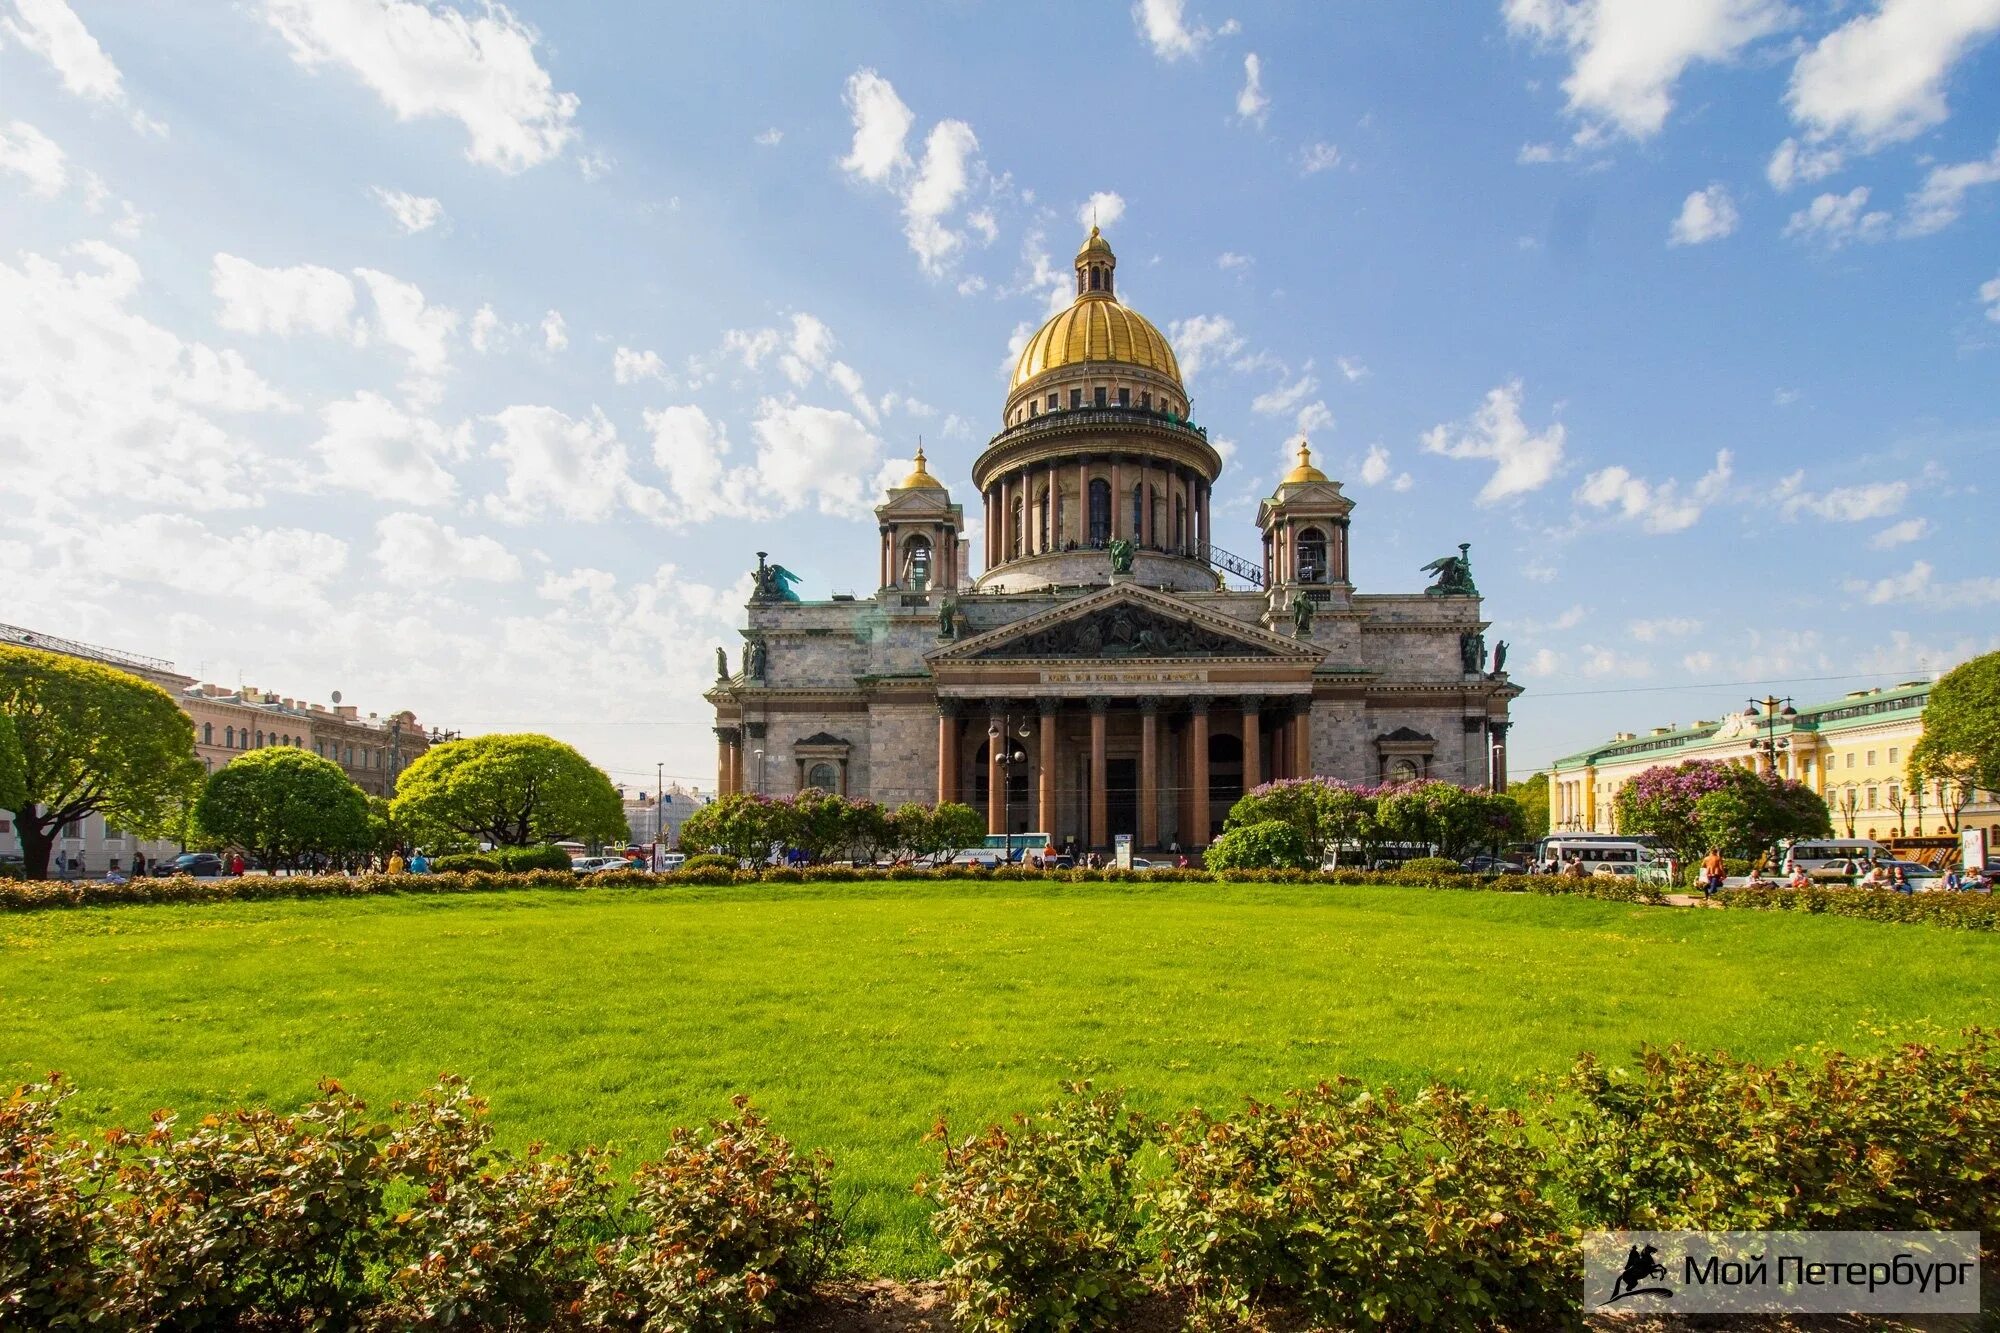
x=1100 y=396
x=1850 y=759
x=1145 y=402
x=229 y=738
x=349 y=761
x=824 y=777
x=1075 y=399
x=208 y=733
x=1034 y=409
x=1017 y=532
x=1872 y=793
x=260 y=740
x=1124 y=397
x=1053 y=401
x=1311 y=550
x=1139 y=513
x=1892 y=754
x=1871 y=759
x=1100 y=512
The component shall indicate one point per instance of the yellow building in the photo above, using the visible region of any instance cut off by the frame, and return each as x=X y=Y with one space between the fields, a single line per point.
x=1853 y=751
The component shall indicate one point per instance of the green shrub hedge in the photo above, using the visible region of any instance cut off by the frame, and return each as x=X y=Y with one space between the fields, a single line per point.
x=1268 y=845
x=454 y=862
x=1956 y=911
x=532 y=858
x=1340 y=1204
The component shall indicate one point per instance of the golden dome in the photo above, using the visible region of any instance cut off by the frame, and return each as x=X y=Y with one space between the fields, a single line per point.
x=920 y=478
x=1305 y=471
x=1096 y=328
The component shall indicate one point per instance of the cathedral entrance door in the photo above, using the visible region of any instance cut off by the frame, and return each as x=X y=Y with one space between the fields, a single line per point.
x=1121 y=796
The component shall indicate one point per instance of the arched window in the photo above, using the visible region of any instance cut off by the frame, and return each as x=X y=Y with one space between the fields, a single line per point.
x=208 y=733
x=1100 y=512
x=917 y=564
x=1403 y=771
x=229 y=738
x=823 y=776
x=1311 y=551
x=1018 y=532
x=1139 y=514
x=260 y=740
x=1043 y=516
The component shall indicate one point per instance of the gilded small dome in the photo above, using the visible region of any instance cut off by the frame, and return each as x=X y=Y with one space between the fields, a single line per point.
x=1096 y=327
x=920 y=477
x=1305 y=471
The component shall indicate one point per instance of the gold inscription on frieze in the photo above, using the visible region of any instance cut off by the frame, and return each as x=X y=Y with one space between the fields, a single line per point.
x=1114 y=677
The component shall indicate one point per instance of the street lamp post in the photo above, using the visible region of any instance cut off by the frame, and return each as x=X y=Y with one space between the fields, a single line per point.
x=1768 y=709
x=1008 y=753
x=659 y=807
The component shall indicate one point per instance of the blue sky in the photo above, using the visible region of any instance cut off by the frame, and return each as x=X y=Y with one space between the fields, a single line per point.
x=460 y=357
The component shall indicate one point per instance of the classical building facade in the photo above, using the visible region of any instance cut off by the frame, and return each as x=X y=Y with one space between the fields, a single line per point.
x=1854 y=751
x=1108 y=668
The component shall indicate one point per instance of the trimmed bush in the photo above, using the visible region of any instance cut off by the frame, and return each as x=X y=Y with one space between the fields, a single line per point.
x=1431 y=865
x=454 y=862
x=49 y=1277
x=1270 y=845
x=1040 y=1223
x=1348 y=1206
x=519 y=859
x=1954 y=911
x=1903 y=1141
x=729 y=1233
x=707 y=861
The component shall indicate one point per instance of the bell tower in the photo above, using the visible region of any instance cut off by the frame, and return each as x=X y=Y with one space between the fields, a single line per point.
x=920 y=529
x=1305 y=536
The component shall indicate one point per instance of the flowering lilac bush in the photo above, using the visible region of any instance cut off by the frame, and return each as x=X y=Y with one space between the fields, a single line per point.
x=1702 y=803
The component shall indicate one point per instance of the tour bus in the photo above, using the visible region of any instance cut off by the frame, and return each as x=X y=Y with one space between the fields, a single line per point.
x=1833 y=857
x=1018 y=846
x=1576 y=841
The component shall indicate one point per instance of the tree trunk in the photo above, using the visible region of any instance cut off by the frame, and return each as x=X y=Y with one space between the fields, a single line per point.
x=36 y=844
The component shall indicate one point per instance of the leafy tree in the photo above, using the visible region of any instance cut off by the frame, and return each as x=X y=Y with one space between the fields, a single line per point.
x=1960 y=746
x=1701 y=803
x=1326 y=812
x=816 y=822
x=287 y=806
x=509 y=790
x=1532 y=797
x=739 y=825
x=13 y=767
x=93 y=741
x=1274 y=844
x=956 y=826
x=868 y=830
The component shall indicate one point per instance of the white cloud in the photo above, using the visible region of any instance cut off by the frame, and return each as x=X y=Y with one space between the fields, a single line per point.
x=1537 y=154
x=629 y=367
x=304 y=298
x=1351 y=367
x=1663 y=627
x=1899 y=534
x=1626 y=55
x=1706 y=215
x=372 y=446
x=487 y=330
x=1842 y=504
x=1784 y=397
x=1836 y=219
x=751 y=345
x=1917 y=587
x=1199 y=337
x=90 y=388
x=417 y=549
x=426 y=61
x=1989 y=292
x=1792 y=163
x=51 y=29
x=941 y=181
x=1314 y=417
x=1102 y=209
x=1164 y=25
x=34 y=157
x=412 y=212
x=1543 y=663
x=1317 y=157
x=692 y=451
x=1880 y=77
x=770 y=138
x=281 y=568
x=881 y=125
x=570 y=467
x=1699 y=662
x=1523 y=460
x=555 y=331
x=407 y=322
x=815 y=455
x=1658 y=507
x=1284 y=398
x=809 y=351
x=1251 y=102
x=1229 y=259
x=1942 y=198
x=1376 y=469
x=1600 y=663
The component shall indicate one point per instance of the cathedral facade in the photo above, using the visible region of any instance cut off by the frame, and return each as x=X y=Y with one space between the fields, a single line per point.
x=1106 y=668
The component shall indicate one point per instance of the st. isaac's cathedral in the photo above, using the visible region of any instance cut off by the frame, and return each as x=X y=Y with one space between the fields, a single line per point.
x=1107 y=667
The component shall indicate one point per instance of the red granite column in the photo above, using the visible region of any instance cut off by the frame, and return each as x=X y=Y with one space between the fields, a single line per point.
x=1253 y=756
x=1199 y=805
x=1100 y=813
x=1149 y=775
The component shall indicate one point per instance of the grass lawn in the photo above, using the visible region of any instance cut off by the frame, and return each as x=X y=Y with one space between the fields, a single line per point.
x=856 y=1014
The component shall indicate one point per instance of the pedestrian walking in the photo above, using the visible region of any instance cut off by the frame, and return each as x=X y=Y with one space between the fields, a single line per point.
x=1713 y=872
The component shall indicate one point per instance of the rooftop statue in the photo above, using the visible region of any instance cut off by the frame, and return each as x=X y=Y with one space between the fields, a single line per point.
x=1454 y=574
x=947 y=612
x=721 y=664
x=1121 y=555
x=1302 y=616
x=774 y=582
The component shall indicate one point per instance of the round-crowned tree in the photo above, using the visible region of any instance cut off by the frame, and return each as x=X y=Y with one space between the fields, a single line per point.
x=1274 y=844
x=1959 y=751
x=92 y=741
x=509 y=790
x=285 y=806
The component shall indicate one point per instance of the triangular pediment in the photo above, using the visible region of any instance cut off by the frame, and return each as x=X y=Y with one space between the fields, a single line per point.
x=1125 y=622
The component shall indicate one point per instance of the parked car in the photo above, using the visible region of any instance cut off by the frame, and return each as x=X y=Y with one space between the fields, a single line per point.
x=591 y=865
x=990 y=857
x=671 y=861
x=201 y=865
x=1492 y=865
